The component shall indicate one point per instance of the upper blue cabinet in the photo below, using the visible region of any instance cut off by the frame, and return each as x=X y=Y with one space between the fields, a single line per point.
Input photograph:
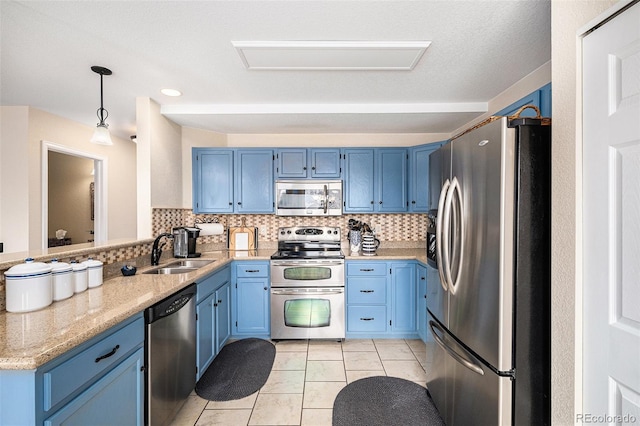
x=313 y=163
x=540 y=98
x=419 y=177
x=232 y=180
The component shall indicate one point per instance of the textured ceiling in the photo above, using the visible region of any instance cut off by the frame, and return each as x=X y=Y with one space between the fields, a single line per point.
x=478 y=49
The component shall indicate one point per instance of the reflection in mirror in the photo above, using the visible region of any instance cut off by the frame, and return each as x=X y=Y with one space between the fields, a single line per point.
x=70 y=200
x=74 y=206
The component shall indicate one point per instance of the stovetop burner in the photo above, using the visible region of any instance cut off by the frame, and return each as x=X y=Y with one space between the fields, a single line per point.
x=317 y=242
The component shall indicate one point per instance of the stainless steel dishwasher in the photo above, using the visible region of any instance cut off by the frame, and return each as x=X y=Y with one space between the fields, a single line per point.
x=170 y=355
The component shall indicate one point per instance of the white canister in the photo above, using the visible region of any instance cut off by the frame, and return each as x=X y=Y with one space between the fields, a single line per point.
x=80 y=278
x=28 y=286
x=62 y=279
x=94 y=271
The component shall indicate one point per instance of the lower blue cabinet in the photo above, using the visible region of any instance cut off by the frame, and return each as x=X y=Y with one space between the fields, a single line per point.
x=421 y=280
x=251 y=299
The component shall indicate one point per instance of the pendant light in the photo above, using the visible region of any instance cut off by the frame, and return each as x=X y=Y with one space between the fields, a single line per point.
x=101 y=135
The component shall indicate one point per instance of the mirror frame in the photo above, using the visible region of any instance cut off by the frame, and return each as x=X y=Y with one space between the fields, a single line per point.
x=100 y=225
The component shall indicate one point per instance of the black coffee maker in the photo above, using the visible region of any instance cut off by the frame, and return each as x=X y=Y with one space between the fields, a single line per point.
x=184 y=241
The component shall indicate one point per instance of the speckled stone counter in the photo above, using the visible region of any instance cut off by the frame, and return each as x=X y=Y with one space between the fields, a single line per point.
x=29 y=340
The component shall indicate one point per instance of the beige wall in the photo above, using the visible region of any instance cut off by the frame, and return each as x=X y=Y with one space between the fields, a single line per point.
x=23 y=130
x=566 y=349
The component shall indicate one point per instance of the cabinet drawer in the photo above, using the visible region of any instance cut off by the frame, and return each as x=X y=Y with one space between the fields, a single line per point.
x=213 y=282
x=367 y=290
x=367 y=318
x=248 y=270
x=368 y=269
x=65 y=378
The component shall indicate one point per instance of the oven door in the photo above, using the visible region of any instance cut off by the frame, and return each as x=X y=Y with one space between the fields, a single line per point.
x=307 y=273
x=307 y=313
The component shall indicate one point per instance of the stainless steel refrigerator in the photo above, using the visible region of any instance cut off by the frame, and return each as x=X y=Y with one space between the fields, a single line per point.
x=488 y=304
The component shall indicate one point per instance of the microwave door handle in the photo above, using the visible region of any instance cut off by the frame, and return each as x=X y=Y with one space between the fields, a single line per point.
x=326 y=199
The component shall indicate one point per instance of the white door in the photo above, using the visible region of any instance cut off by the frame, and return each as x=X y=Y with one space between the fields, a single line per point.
x=611 y=221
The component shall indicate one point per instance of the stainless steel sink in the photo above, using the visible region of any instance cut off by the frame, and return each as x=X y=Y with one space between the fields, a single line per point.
x=180 y=267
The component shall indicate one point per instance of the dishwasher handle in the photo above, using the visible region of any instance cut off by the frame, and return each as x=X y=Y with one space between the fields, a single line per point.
x=170 y=305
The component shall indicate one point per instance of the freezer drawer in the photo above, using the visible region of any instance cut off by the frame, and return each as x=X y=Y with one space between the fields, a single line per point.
x=465 y=390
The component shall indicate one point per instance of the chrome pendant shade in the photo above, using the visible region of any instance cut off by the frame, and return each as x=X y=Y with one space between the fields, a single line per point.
x=101 y=135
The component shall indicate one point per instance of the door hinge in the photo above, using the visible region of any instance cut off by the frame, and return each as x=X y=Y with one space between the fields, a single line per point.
x=236 y=323
x=389 y=323
x=389 y=271
x=196 y=317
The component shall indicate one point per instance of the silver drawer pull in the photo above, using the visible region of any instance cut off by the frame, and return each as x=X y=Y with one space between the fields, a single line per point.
x=366 y=291
x=367 y=319
x=113 y=352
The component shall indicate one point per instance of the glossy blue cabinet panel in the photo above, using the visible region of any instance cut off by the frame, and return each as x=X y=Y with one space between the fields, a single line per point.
x=222 y=315
x=212 y=180
x=421 y=280
x=251 y=296
x=359 y=180
x=291 y=163
x=206 y=349
x=324 y=163
x=419 y=177
x=392 y=180
x=403 y=297
x=367 y=319
x=116 y=399
x=254 y=181
x=212 y=282
x=367 y=290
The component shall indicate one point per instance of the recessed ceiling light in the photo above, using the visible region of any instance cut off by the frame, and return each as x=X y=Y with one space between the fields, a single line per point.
x=171 y=92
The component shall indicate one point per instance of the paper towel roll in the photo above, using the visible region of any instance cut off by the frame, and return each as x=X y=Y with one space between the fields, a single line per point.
x=210 y=228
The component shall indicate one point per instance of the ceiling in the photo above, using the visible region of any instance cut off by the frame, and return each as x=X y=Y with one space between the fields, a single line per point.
x=478 y=49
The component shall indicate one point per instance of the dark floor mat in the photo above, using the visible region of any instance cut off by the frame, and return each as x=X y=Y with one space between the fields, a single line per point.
x=239 y=370
x=384 y=401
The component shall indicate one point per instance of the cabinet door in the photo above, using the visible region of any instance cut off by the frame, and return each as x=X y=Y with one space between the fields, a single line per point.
x=254 y=181
x=116 y=399
x=205 y=329
x=252 y=306
x=403 y=297
x=291 y=163
x=325 y=163
x=359 y=180
x=419 y=179
x=421 y=282
x=212 y=181
x=392 y=180
x=223 y=315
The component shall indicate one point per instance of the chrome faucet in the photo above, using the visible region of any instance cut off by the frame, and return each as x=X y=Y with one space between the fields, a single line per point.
x=156 y=251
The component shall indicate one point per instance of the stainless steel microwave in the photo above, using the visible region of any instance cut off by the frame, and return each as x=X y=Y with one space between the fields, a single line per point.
x=308 y=198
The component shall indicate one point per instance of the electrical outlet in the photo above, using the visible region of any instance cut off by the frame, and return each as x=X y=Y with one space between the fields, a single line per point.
x=263 y=231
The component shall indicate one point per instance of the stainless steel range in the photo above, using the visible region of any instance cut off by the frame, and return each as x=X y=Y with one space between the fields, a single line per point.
x=307 y=284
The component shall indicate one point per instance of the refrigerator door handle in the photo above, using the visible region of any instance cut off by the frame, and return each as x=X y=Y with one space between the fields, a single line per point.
x=439 y=234
x=458 y=237
x=446 y=225
x=473 y=366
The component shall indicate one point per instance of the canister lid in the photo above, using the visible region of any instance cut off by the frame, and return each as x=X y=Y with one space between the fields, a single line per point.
x=28 y=269
x=59 y=267
x=78 y=267
x=92 y=263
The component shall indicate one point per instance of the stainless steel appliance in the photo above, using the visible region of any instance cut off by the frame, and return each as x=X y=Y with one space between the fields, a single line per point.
x=489 y=303
x=308 y=198
x=307 y=284
x=170 y=354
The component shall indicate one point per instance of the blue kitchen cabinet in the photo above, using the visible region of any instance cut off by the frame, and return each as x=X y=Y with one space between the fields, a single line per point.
x=251 y=296
x=381 y=299
x=253 y=187
x=213 y=317
x=232 y=180
x=421 y=282
x=419 y=177
x=102 y=378
x=540 y=98
x=212 y=180
x=359 y=180
x=302 y=163
x=375 y=180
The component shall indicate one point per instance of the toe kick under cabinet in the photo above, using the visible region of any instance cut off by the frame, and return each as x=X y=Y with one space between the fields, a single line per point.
x=381 y=299
x=99 y=382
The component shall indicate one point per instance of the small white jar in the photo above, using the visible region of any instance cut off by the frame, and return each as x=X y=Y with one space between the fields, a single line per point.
x=80 y=279
x=94 y=271
x=62 y=279
x=28 y=286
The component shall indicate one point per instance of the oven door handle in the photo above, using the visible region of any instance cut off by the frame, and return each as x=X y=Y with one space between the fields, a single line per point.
x=315 y=263
x=305 y=292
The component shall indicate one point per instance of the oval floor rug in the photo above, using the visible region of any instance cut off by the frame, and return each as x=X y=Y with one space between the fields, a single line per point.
x=239 y=370
x=384 y=401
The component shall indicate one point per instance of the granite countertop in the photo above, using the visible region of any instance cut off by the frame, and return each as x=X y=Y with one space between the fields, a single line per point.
x=31 y=339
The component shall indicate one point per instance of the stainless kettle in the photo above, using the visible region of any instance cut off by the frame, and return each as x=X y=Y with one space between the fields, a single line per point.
x=180 y=242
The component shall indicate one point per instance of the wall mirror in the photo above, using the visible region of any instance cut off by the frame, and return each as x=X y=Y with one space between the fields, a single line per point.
x=73 y=196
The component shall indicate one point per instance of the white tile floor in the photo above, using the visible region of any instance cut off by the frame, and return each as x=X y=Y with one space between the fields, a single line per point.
x=305 y=379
